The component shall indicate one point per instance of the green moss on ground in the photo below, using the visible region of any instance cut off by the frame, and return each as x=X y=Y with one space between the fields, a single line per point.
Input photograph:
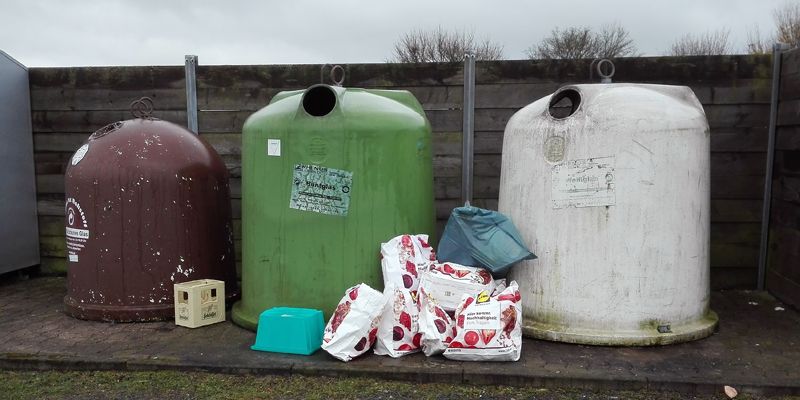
x=194 y=385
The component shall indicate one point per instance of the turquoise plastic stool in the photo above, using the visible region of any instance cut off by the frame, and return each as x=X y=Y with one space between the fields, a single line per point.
x=289 y=330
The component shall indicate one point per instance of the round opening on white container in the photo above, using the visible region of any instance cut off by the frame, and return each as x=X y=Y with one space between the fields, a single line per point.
x=564 y=103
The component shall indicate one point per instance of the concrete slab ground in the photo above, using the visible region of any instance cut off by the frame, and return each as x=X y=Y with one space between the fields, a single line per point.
x=756 y=350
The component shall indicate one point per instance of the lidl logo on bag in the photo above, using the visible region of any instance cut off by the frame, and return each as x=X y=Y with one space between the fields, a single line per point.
x=483 y=297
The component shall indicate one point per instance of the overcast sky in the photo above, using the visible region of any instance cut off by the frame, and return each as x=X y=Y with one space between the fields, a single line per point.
x=147 y=32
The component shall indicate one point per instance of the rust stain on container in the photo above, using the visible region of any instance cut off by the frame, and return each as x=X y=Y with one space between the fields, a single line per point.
x=147 y=206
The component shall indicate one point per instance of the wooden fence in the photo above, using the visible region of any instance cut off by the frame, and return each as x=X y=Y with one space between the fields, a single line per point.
x=783 y=269
x=70 y=103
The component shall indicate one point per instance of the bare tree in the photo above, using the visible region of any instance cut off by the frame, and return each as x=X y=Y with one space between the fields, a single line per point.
x=570 y=43
x=787 y=23
x=614 y=41
x=787 y=30
x=705 y=44
x=758 y=44
x=581 y=42
x=443 y=46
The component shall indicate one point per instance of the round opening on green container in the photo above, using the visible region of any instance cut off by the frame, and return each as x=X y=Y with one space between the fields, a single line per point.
x=319 y=101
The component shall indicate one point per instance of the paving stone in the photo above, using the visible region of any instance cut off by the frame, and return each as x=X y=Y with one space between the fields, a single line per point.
x=755 y=350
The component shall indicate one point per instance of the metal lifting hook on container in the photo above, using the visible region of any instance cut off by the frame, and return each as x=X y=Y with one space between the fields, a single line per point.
x=600 y=62
x=335 y=70
x=142 y=108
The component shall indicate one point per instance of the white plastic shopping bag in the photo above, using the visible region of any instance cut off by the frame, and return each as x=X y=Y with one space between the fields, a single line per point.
x=403 y=258
x=449 y=282
x=353 y=328
x=398 y=330
x=435 y=325
x=488 y=328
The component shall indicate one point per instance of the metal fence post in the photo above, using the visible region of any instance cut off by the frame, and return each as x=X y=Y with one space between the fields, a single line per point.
x=467 y=140
x=777 y=51
x=191 y=93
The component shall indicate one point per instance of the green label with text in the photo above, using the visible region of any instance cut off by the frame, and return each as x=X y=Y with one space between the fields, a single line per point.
x=320 y=189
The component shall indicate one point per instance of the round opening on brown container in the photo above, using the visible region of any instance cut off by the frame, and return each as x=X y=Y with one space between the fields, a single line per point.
x=106 y=130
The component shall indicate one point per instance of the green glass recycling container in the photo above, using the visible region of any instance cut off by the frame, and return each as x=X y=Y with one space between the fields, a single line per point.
x=328 y=173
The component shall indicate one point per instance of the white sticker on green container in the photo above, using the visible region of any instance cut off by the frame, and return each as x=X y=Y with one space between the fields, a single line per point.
x=320 y=189
x=274 y=147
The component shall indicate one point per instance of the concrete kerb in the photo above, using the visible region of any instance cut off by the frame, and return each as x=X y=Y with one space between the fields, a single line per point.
x=755 y=350
x=453 y=375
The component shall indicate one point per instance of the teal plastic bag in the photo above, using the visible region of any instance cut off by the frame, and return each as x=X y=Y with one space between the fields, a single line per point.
x=482 y=238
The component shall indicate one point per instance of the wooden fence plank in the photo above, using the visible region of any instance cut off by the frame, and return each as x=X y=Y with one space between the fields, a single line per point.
x=756 y=91
x=494 y=95
x=788 y=188
x=746 y=233
x=790 y=64
x=785 y=251
x=737 y=116
x=783 y=288
x=787 y=138
x=790 y=87
x=51 y=225
x=727 y=255
x=50 y=205
x=786 y=214
x=52 y=246
x=737 y=187
x=726 y=278
x=224 y=143
x=789 y=113
x=48 y=162
x=86 y=122
x=58 y=142
x=678 y=70
x=51 y=183
x=450 y=187
x=119 y=78
x=639 y=69
x=735 y=210
x=787 y=163
x=70 y=99
x=738 y=164
x=745 y=140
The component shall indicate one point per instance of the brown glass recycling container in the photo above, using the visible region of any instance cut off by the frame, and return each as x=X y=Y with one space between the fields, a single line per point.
x=147 y=206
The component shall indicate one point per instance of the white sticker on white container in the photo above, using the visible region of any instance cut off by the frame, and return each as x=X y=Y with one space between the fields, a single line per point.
x=584 y=183
x=274 y=147
x=554 y=148
x=79 y=154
